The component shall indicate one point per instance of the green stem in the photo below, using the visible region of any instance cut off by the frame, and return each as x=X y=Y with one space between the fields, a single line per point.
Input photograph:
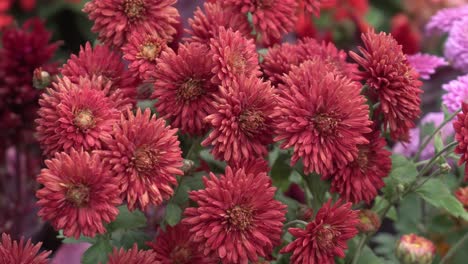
x=358 y=251
x=294 y=222
x=454 y=249
x=192 y=149
x=428 y=140
x=434 y=159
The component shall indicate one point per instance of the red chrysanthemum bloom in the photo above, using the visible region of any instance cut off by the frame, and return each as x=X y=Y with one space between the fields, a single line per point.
x=325 y=238
x=461 y=136
x=14 y=252
x=145 y=156
x=115 y=20
x=77 y=115
x=242 y=122
x=100 y=61
x=205 y=25
x=406 y=33
x=271 y=19
x=142 y=51
x=361 y=179
x=132 y=256
x=184 y=89
x=234 y=56
x=174 y=246
x=392 y=81
x=462 y=196
x=237 y=218
x=312 y=6
x=323 y=116
x=79 y=194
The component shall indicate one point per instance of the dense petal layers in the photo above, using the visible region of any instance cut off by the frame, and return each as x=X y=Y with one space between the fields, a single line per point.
x=19 y=252
x=132 y=256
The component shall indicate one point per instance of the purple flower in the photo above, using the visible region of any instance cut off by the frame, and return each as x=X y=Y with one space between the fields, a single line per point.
x=443 y=20
x=425 y=64
x=456 y=47
x=456 y=93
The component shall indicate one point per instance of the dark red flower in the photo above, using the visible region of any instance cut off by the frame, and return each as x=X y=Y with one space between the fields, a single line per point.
x=242 y=121
x=19 y=252
x=237 y=218
x=145 y=156
x=406 y=34
x=132 y=256
x=323 y=116
x=461 y=136
x=325 y=238
x=100 y=61
x=361 y=179
x=115 y=20
x=392 y=80
x=174 y=246
x=78 y=195
x=312 y=6
x=346 y=9
x=183 y=87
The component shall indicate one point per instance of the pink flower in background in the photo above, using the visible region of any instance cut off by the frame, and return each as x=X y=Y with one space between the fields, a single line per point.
x=425 y=64
x=456 y=47
x=444 y=19
x=457 y=93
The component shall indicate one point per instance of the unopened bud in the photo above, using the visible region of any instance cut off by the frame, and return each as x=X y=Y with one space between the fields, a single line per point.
x=369 y=221
x=445 y=168
x=305 y=213
x=41 y=78
x=187 y=166
x=400 y=188
x=413 y=249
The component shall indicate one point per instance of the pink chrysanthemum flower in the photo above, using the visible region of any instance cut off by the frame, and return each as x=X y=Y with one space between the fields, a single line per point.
x=425 y=64
x=115 y=20
x=392 y=81
x=79 y=194
x=205 y=25
x=142 y=51
x=271 y=19
x=461 y=136
x=77 y=115
x=323 y=116
x=242 y=122
x=312 y=6
x=361 y=179
x=234 y=56
x=174 y=246
x=132 y=256
x=325 y=238
x=184 y=89
x=145 y=156
x=237 y=218
x=100 y=61
x=19 y=252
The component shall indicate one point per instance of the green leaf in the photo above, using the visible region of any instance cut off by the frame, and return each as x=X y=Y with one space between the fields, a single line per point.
x=409 y=214
x=70 y=240
x=385 y=246
x=127 y=220
x=97 y=253
x=435 y=192
x=367 y=255
x=126 y=238
x=182 y=194
x=280 y=172
x=438 y=143
x=173 y=214
x=318 y=188
x=380 y=204
x=403 y=172
x=292 y=205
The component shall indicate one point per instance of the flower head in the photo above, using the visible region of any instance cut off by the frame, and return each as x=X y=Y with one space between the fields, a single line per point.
x=174 y=246
x=312 y=6
x=79 y=194
x=323 y=116
x=184 y=89
x=116 y=20
x=369 y=221
x=361 y=179
x=237 y=218
x=425 y=64
x=242 y=121
x=77 y=115
x=413 y=249
x=100 y=61
x=392 y=81
x=234 y=56
x=457 y=93
x=445 y=18
x=145 y=156
x=12 y=251
x=132 y=256
x=325 y=237
x=456 y=47
x=462 y=196
x=461 y=136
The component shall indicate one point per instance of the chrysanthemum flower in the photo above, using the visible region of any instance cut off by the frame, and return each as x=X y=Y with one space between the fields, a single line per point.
x=77 y=115
x=461 y=136
x=184 y=89
x=312 y=6
x=205 y=25
x=234 y=56
x=462 y=196
x=79 y=194
x=237 y=218
x=392 y=81
x=445 y=18
x=174 y=246
x=142 y=51
x=242 y=122
x=115 y=20
x=325 y=237
x=323 y=116
x=271 y=19
x=457 y=92
x=361 y=179
x=145 y=156
x=425 y=64
x=132 y=256
x=369 y=221
x=100 y=61
x=456 y=47
x=19 y=252
x=415 y=249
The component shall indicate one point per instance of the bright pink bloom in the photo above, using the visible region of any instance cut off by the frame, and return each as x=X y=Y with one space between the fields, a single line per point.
x=19 y=252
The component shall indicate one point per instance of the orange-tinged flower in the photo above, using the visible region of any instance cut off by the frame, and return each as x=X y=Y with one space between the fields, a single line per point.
x=413 y=249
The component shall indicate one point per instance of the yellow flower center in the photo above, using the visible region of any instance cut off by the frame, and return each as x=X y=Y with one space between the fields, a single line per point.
x=78 y=195
x=84 y=119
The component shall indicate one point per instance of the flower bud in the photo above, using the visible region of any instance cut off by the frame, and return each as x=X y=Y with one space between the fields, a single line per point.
x=445 y=168
x=41 y=78
x=413 y=249
x=305 y=213
x=187 y=166
x=369 y=221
